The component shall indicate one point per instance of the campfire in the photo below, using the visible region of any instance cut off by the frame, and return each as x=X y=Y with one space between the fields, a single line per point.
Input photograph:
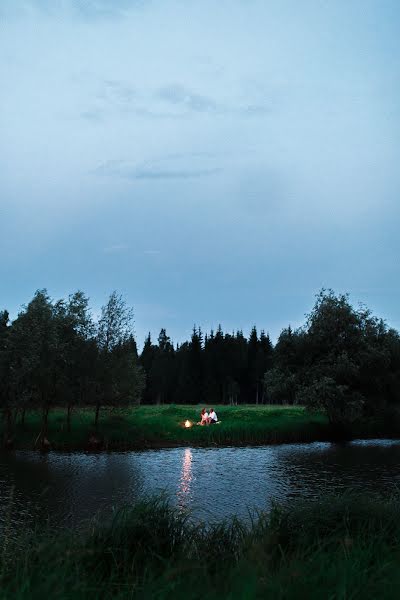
x=188 y=424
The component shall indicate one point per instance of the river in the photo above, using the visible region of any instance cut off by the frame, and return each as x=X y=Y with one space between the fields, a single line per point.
x=212 y=483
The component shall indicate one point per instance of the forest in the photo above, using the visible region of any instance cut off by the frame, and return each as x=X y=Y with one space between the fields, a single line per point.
x=343 y=360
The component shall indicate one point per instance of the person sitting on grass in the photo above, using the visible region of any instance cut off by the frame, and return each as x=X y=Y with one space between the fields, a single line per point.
x=204 y=417
x=212 y=417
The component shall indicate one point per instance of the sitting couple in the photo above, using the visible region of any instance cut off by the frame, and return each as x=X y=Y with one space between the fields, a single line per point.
x=208 y=418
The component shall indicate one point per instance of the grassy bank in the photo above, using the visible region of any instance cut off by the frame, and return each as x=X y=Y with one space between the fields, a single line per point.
x=336 y=548
x=156 y=426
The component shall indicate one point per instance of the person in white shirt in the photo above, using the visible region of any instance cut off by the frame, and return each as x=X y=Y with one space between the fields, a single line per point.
x=212 y=418
x=204 y=417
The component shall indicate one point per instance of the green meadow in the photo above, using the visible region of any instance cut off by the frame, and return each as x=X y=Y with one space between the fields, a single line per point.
x=157 y=426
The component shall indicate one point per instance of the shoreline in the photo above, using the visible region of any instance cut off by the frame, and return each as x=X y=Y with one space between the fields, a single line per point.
x=106 y=446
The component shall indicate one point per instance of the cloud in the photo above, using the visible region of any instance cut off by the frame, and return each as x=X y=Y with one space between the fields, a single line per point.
x=254 y=110
x=94 y=115
x=114 y=90
x=152 y=173
x=115 y=248
x=102 y=8
x=111 y=98
x=181 y=96
x=157 y=170
x=153 y=114
x=86 y=9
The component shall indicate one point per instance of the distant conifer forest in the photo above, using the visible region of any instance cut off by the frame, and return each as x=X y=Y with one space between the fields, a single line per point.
x=343 y=360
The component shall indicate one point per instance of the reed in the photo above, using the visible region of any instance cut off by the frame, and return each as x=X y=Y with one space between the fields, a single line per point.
x=342 y=547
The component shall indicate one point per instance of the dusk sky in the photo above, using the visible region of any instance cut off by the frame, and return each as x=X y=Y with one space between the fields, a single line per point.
x=213 y=161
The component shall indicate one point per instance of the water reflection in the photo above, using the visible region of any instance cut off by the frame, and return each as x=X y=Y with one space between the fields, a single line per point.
x=213 y=483
x=184 y=492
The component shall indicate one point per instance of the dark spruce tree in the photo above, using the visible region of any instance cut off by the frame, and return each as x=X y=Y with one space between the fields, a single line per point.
x=146 y=360
x=162 y=379
x=195 y=368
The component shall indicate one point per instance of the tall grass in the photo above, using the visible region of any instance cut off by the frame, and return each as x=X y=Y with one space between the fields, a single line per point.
x=344 y=547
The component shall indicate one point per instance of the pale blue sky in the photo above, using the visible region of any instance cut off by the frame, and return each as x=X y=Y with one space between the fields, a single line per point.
x=216 y=162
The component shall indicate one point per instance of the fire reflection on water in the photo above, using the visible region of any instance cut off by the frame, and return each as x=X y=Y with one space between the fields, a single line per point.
x=186 y=479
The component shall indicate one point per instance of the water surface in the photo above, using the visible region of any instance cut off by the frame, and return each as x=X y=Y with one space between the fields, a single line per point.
x=213 y=483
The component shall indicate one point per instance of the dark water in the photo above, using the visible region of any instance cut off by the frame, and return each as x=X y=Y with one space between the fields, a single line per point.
x=213 y=483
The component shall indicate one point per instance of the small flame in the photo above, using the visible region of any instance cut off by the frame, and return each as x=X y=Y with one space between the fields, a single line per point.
x=188 y=424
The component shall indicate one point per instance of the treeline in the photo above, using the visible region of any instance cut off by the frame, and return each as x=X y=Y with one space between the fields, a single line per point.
x=55 y=353
x=217 y=368
x=342 y=360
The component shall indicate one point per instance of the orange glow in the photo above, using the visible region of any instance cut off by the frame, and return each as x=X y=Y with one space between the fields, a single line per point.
x=188 y=424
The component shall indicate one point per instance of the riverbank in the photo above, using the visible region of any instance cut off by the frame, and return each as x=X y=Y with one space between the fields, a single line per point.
x=163 y=426
x=343 y=547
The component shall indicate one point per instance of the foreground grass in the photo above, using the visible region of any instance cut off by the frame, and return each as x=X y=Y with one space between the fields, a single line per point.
x=152 y=426
x=342 y=548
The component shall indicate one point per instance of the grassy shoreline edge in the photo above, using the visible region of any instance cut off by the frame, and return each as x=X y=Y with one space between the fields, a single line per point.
x=146 y=427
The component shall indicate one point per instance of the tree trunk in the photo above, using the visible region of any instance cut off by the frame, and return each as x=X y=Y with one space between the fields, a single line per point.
x=7 y=416
x=45 y=415
x=42 y=437
x=69 y=418
x=23 y=417
x=96 y=418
